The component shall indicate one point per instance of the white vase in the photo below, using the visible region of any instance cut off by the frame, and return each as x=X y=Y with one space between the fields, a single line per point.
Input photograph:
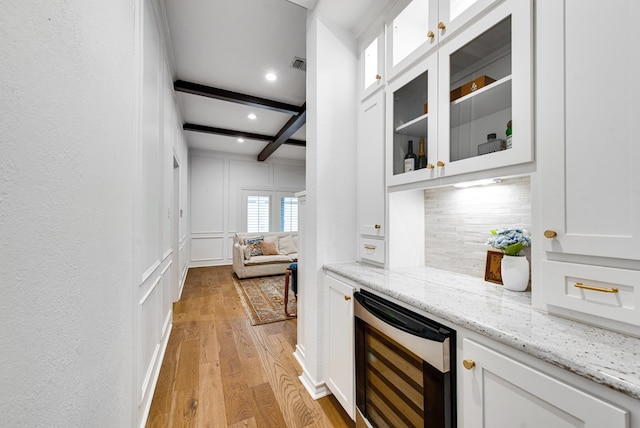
x=515 y=272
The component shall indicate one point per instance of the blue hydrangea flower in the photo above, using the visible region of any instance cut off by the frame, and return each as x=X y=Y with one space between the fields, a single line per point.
x=509 y=240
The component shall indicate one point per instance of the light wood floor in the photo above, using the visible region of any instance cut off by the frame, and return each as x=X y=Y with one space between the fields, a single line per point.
x=220 y=371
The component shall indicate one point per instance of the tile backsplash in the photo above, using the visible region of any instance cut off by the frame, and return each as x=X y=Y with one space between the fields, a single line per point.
x=458 y=222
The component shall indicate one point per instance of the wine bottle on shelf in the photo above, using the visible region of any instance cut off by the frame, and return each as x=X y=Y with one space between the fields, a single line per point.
x=422 y=155
x=410 y=158
x=508 y=135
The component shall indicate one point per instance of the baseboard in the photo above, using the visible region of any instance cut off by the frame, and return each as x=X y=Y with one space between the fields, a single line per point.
x=316 y=390
x=145 y=406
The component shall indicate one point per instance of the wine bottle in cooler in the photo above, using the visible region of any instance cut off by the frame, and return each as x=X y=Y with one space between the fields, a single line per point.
x=410 y=158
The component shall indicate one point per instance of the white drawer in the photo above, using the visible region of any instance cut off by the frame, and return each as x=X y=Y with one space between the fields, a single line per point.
x=372 y=250
x=610 y=292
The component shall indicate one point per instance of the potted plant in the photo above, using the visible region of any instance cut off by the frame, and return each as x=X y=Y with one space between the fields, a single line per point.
x=514 y=267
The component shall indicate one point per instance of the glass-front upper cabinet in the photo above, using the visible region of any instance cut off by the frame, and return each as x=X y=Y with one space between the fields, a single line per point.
x=372 y=63
x=485 y=93
x=412 y=124
x=453 y=112
x=415 y=27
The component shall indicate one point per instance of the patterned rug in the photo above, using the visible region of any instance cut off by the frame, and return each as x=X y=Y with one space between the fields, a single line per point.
x=263 y=298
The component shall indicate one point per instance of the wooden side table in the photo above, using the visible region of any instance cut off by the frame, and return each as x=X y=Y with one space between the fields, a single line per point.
x=287 y=275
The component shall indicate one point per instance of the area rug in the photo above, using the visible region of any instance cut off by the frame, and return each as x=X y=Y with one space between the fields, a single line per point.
x=263 y=298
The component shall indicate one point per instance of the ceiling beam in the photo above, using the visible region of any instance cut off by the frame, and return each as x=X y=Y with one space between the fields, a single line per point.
x=235 y=97
x=238 y=134
x=287 y=131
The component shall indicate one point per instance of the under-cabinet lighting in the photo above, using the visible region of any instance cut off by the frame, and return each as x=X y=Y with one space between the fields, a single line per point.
x=252 y=116
x=271 y=77
x=240 y=140
x=477 y=183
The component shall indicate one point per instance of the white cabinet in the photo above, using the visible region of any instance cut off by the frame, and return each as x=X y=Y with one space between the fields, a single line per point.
x=588 y=185
x=415 y=27
x=371 y=183
x=340 y=348
x=498 y=391
x=470 y=87
x=371 y=62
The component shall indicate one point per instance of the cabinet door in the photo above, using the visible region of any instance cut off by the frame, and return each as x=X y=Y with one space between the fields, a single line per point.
x=372 y=63
x=485 y=82
x=454 y=14
x=412 y=115
x=587 y=115
x=340 y=348
x=501 y=392
x=411 y=32
x=371 y=189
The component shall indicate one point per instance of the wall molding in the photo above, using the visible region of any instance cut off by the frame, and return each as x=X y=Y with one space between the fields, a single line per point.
x=150 y=291
x=147 y=274
x=315 y=389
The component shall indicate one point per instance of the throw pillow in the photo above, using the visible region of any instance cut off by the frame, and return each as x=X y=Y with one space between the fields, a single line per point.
x=268 y=248
x=254 y=246
x=286 y=245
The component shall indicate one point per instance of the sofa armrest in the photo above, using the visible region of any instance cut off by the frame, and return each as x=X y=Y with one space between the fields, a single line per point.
x=238 y=260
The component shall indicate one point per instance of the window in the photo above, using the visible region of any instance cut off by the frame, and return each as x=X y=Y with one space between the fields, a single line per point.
x=258 y=213
x=288 y=214
x=269 y=211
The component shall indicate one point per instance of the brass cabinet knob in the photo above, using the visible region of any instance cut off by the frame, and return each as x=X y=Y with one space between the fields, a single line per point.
x=347 y=297
x=468 y=364
x=440 y=163
x=430 y=35
x=550 y=234
x=378 y=77
x=441 y=25
x=430 y=166
x=377 y=226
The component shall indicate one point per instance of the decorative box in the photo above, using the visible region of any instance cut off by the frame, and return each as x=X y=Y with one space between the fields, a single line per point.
x=469 y=87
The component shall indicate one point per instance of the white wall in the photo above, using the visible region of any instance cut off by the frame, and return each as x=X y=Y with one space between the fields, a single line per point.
x=66 y=212
x=88 y=135
x=217 y=182
x=330 y=212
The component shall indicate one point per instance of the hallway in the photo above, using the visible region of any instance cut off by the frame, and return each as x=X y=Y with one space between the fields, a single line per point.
x=219 y=371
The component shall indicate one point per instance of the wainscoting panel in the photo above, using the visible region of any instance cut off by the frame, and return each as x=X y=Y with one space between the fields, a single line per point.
x=207 y=249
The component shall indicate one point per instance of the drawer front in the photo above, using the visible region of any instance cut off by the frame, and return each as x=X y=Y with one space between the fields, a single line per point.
x=602 y=291
x=372 y=250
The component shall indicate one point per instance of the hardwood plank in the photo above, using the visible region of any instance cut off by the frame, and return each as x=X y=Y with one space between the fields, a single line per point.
x=267 y=411
x=211 y=410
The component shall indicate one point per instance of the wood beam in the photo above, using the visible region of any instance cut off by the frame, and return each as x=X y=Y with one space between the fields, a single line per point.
x=238 y=134
x=235 y=97
x=283 y=135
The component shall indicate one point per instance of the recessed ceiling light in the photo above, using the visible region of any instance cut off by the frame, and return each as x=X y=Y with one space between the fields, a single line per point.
x=252 y=116
x=240 y=140
x=271 y=77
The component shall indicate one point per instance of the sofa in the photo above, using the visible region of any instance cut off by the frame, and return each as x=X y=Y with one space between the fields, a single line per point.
x=263 y=253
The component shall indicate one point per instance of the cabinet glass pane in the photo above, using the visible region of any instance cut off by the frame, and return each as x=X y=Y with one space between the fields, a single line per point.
x=410 y=120
x=480 y=76
x=457 y=7
x=370 y=64
x=410 y=29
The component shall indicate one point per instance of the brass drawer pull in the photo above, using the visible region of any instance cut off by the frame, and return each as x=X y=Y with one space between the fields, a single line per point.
x=550 y=234
x=377 y=226
x=347 y=298
x=591 y=287
x=369 y=247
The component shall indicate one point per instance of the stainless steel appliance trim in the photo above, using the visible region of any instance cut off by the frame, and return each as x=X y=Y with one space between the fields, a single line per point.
x=435 y=353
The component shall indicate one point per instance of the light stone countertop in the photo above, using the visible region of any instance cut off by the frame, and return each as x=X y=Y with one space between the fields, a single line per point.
x=604 y=356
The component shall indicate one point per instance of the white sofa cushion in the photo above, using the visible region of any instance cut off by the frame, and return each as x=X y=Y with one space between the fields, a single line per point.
x=286 y=245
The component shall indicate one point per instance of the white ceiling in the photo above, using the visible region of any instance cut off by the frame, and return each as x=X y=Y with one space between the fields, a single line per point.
x=231 y=45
